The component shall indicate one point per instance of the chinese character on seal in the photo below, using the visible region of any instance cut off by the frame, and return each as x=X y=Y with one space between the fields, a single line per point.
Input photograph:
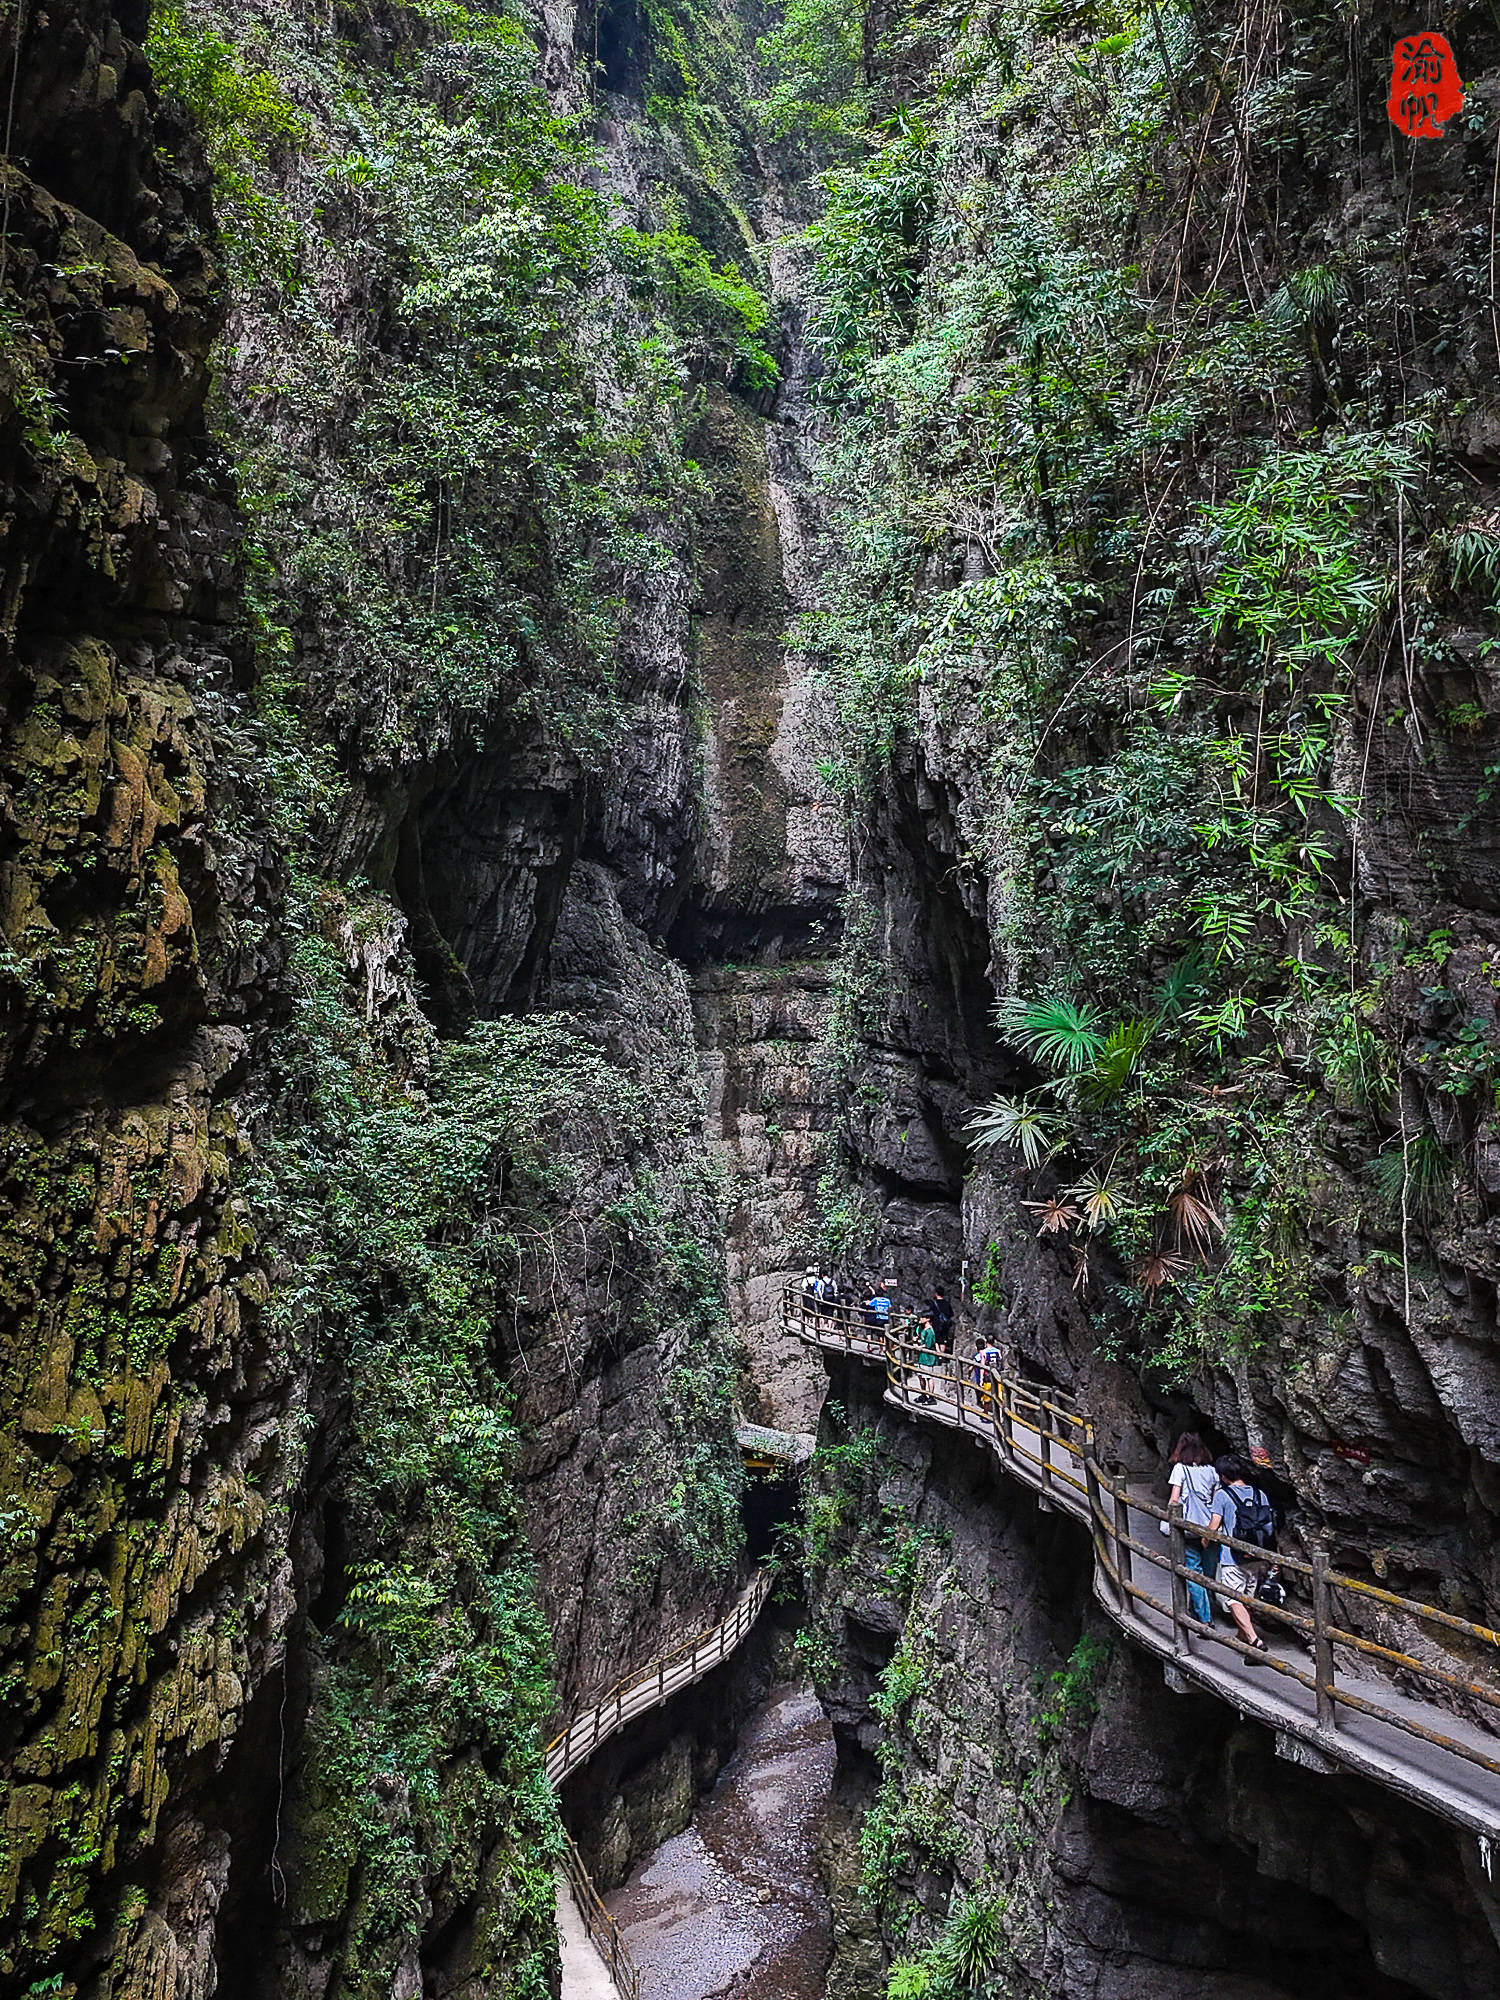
x=1426 y=88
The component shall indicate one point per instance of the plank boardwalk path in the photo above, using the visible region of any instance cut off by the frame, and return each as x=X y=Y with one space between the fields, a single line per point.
x=647 y=1688
x=1356 y=1678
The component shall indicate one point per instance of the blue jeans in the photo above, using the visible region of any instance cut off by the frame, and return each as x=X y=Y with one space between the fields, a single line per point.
x=1193 y=1558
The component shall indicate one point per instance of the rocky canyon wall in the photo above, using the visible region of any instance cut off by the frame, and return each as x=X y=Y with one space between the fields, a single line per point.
x=995 y=1732
x=1233 y=1042
x=371 y=1390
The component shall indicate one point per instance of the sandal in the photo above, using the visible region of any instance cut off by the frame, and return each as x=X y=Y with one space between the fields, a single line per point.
x=1260 y=1646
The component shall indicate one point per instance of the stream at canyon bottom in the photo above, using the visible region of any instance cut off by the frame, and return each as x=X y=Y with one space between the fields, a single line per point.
x=734 y=1906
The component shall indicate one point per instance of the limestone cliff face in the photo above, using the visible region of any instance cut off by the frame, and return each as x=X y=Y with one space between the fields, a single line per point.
x=1373 y=1397
x=147 y=1466
x=185 y=1526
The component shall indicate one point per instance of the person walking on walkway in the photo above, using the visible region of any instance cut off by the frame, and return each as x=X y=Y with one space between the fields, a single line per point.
x=1194 y=1486
x=878 y=1308
x=986 y=1367
x=1246 y=1514
x=927 y=1356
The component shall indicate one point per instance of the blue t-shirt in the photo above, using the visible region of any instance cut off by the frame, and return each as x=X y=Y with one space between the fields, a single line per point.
x=880 y=1306
x=1231 y=1524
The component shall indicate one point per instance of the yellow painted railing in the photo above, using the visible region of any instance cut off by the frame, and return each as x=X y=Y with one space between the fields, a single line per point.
x=634 y=1695
x=1423 y=1723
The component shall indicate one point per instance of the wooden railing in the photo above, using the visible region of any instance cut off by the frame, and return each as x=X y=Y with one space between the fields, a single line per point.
x=650 y=1686
x=634 y=1695
x=1317 y=1699
x=600 y=1925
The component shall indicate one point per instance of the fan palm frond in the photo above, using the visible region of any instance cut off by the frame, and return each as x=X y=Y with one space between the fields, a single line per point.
x=1196 y=1219
x=1064 y=1034
x=1013 y=1121
x=1099 y=1202
x=1052 y=1217
x=1118 y=1058
x=1182 y=985
x=1162 y=1267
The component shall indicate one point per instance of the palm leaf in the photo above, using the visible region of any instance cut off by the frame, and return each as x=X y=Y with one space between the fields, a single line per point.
x=1098 y=1201
x=1160 y=1268
x=1193 y=1213
x=1054 y=1216
x=1012 y=1121
x=1118 y=1058
x=1182 y=985
x=1064 y=1034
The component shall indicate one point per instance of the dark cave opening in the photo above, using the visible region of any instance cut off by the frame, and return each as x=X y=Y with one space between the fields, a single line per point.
x=770 y=1504
x=703 y=936
x=622 y=43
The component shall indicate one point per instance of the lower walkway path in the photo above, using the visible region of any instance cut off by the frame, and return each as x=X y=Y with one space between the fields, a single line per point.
x=1355 y=1677
x=581 y=1915
x=585 y=1976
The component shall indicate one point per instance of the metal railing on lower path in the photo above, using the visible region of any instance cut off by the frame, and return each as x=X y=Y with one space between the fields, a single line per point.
x=634 y=1695
x=1424 y=1724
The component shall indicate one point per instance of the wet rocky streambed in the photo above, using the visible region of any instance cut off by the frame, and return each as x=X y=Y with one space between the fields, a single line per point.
x=734 y=1905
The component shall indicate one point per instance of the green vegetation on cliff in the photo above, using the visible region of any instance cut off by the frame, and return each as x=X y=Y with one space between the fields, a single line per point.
x=457 y=441
x=1148 y=521
x=262 y=1500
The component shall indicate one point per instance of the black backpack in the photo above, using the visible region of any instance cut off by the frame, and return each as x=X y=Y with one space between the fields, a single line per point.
x=1255 y=1519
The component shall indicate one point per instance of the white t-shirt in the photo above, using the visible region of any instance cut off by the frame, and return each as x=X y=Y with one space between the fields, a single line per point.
x=1197 y=1487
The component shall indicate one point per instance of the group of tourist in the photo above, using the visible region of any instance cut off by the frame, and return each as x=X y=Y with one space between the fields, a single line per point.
x=869 y=1308
x=1220 y=1495
x=1217 y=1496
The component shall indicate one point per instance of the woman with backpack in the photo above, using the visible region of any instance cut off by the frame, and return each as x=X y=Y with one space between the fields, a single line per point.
x=1248 y=1517
x=1193 y=1485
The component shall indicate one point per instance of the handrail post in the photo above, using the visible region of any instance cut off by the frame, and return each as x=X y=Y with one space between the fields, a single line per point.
x=1007 y=1418
x=1178 y=1547
x=1323 y=1642
x=1098 y=1526
x=1123 y=1563
x=1044 y=1442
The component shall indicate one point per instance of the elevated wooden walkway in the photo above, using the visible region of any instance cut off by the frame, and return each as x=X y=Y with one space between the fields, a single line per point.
x=1355 y=1678
x=645 y=1689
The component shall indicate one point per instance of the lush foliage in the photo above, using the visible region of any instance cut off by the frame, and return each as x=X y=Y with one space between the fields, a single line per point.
x=394 y=1197
x=455 y=389
x=1140 y=515
x=458 y=440
x=961 y=1959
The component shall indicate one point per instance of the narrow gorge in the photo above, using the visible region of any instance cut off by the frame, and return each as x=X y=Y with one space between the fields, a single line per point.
x=672 y=669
